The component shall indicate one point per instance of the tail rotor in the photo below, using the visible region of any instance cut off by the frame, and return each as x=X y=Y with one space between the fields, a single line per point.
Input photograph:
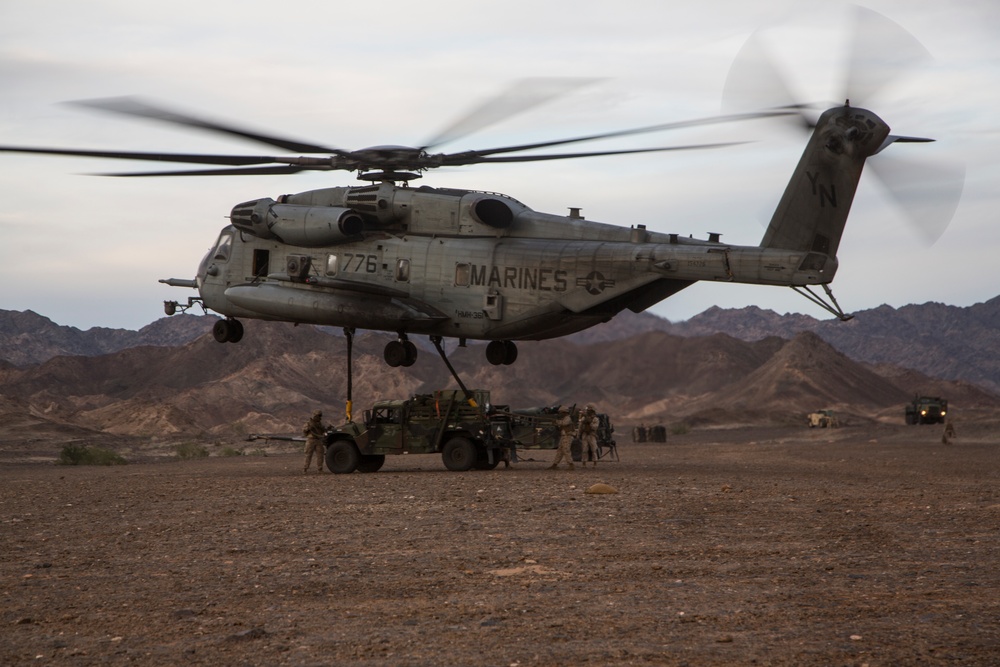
x=881 y=53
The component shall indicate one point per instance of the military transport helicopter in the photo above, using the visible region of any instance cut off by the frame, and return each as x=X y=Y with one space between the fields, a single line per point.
x=478 y=265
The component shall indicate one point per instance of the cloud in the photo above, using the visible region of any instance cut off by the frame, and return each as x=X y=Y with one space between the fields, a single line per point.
x=359 y=74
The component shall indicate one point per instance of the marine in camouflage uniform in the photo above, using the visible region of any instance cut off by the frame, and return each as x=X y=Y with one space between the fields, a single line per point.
x=587 y=430
x=315 y=434
x=565 y=424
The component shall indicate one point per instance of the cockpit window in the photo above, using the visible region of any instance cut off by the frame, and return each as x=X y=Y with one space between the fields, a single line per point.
x=224 y=248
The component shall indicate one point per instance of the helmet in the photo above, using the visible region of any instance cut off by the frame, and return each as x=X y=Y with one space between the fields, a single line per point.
x=590 y=408
x=318 y=413
x=563 y=408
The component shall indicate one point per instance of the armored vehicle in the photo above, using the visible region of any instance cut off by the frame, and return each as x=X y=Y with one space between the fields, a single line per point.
x=466 y=434
x=926 y=410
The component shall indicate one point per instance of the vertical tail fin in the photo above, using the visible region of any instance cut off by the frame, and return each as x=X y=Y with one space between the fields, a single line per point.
x=813 y=209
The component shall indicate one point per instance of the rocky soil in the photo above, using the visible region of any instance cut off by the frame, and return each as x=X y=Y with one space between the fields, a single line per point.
x=866 y=545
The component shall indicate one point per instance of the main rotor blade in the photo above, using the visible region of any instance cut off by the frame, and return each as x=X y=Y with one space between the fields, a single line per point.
x=195 y=158
x=714 y=120
x=249 y=171
x=133 y=106
x=520 y=97
x=567 y=156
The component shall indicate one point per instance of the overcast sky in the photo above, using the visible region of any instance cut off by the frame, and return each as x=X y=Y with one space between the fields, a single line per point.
x=87 y=251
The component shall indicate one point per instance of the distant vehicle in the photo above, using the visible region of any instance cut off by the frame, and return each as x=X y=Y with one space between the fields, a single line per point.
x=822 y=419
x=926 y=410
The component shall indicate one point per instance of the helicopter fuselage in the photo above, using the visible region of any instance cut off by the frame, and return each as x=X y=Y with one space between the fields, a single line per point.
x=462 y=264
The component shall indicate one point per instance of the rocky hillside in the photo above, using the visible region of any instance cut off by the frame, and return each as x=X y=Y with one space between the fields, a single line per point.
x=29 y=338
x=280 y=373
x=934 y=339
x=938 y=340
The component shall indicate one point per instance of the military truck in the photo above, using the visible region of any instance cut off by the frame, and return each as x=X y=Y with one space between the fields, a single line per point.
x=535 y=428
x=926 y=410
x=467 y=436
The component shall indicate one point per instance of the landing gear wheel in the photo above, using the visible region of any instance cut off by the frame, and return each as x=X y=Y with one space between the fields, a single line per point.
x=501 y=352
x=510 y=352
x=459 y=454
x=235 y=331
x=342 y=457
x=395 y=353
x=371 y=462
x=227 y=331
x=411 y=353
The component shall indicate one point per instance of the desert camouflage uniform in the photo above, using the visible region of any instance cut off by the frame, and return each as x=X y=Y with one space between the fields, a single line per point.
x=588 y=435
x=315 y=434
x=949 y=432
x=565 y=424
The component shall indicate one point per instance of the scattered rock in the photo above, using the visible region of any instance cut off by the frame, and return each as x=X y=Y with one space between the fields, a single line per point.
x=246 y=635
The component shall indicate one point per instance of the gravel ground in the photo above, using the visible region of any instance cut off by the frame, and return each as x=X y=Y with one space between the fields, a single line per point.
x=853 y=546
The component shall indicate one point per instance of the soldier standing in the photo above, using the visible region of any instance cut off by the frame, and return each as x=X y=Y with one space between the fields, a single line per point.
x=565 y=424
x=949 y=432
x=315 y=434
x=587 y=432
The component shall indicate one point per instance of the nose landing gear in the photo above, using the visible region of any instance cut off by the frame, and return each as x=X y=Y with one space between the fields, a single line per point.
x=228 y=331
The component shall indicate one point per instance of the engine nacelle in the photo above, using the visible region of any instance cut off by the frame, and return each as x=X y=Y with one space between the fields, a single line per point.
x=306 y=226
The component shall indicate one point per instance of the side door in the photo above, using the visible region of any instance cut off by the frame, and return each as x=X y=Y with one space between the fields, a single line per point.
x=385 y=430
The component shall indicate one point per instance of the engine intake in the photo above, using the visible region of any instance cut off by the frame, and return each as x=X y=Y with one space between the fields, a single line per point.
x=492 y=212
x=306 y=226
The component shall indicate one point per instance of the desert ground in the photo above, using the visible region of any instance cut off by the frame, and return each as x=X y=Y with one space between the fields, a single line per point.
x=865 y=545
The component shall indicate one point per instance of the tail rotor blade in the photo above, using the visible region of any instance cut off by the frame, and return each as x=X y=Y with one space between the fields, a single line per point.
x=881 y=52
x=754 y=82
x=927 y=194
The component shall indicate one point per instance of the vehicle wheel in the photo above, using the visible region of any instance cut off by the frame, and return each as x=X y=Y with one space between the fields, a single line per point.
x=371 y=462
x=496 y=352
x=395 y=353
x=342 y=457
x=483 y=459
x=459 y=454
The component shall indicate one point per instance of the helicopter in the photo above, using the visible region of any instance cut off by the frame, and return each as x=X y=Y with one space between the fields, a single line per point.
x=463 y=264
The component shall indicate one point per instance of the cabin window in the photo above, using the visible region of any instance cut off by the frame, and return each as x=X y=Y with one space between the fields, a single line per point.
x=224 y=248
x=261 y=262
x=331 y=265
x=462 y=275
x=403 y=270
